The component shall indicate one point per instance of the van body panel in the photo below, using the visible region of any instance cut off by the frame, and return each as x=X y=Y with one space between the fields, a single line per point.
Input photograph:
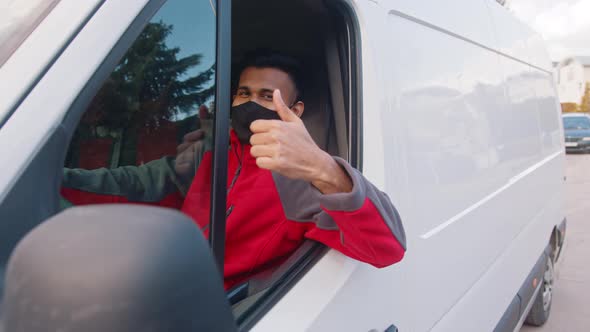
x=460 y=124
x=36 y=52
x=323 y=301
x=450 y=16
x=516 y=39
x=448 y=92
x=484 y=304
x=40 y=114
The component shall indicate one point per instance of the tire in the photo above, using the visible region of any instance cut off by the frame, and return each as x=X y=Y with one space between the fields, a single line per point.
x=542 y=304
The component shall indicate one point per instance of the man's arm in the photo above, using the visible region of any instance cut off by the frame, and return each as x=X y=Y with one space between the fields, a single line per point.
x=148 y=183
x=362 y=224
x=350 y=214
x=163 y=180
x=370 y=228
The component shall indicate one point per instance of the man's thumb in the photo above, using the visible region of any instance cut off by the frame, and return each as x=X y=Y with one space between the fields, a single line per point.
x=284 y=111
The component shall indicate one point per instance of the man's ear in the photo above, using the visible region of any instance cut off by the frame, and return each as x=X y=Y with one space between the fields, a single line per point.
x=298 y=108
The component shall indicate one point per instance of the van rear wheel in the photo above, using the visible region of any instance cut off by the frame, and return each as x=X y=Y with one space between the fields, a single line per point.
x=542 y=306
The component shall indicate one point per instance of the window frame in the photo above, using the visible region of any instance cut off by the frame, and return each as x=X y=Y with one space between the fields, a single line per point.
x=217 y=221
x=24 y=28
x=222 y=105
x=353 y=89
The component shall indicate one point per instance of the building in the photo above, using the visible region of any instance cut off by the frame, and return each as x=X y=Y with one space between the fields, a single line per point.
x=572 y=75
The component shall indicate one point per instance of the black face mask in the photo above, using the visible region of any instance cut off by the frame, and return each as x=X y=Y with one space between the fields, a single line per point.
x=243 y=115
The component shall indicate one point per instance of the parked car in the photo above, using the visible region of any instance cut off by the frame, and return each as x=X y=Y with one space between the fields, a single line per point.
x=576 y=127
x=447 y=106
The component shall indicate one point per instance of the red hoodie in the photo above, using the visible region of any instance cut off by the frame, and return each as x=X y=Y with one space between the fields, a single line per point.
x=269 y=215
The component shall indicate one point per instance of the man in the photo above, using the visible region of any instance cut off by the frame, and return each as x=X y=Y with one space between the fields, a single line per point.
x=282 y=187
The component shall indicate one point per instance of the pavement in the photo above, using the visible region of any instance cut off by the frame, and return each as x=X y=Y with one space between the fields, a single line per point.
x=570 y=309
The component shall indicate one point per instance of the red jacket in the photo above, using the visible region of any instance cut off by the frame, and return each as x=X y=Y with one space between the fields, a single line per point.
x=269 y=215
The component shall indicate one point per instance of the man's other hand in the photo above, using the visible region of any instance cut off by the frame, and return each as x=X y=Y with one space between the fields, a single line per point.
x=186 y=154
x=285 y=146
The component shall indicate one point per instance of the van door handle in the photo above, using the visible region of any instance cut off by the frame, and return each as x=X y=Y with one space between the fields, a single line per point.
x=392 y=328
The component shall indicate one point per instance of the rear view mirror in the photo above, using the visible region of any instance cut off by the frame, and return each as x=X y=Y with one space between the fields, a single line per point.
x=114 y=268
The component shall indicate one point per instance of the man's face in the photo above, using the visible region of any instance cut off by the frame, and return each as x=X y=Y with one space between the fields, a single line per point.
x=258 y=84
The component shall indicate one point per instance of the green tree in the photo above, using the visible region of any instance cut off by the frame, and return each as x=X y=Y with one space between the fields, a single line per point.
x=150 y=84
x=585 y=105
x=570 y=107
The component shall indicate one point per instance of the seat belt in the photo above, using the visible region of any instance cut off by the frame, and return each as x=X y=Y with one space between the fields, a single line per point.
x=337 y=95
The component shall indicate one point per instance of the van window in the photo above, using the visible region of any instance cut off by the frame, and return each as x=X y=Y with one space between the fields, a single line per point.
x=161 y=91
x=17 y=20
x=329 y=79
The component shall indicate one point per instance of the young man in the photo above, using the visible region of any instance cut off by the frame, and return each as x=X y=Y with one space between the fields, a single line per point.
x=282 y=187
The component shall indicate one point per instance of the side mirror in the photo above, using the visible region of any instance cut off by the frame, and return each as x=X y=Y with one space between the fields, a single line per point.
x=115 y=268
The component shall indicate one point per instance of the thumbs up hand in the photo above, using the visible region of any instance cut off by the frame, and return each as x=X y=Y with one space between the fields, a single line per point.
x=285 y=146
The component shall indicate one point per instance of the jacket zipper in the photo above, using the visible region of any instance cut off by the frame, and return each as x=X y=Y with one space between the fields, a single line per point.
x=234 y=180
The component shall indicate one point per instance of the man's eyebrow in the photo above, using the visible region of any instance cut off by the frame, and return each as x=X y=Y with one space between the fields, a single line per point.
x=266 y=90
x=263 y=90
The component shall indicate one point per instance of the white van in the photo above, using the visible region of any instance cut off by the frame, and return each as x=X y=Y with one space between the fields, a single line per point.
x=447 y=106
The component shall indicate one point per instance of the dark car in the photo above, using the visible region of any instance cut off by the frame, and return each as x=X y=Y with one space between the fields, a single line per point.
x=577 y=132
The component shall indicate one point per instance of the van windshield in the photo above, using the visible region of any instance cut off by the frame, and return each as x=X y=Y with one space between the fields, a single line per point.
x=577 y=122
x=18 y=19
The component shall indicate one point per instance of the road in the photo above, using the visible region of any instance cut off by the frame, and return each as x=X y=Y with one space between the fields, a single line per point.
x=570 y=311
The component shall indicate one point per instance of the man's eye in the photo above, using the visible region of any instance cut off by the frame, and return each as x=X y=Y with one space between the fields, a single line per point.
x=268 y=97
x=243 y=94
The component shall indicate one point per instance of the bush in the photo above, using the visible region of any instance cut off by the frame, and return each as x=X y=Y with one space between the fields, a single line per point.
x=570 y=107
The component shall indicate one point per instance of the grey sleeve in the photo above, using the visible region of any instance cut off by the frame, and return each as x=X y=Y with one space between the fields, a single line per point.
x=149 y=182
x=302 y=202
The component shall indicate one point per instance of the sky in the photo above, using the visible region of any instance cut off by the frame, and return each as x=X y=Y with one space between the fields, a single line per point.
x=564 y=24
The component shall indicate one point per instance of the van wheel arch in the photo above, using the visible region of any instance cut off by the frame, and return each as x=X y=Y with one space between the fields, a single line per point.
x=539 y=312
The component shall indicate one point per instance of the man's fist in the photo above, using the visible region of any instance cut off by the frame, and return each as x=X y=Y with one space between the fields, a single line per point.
x=188 y=154
x=285 y=146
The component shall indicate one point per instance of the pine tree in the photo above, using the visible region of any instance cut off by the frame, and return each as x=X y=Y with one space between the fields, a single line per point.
x=149 y=84
x=585 y=105
x=569 y=107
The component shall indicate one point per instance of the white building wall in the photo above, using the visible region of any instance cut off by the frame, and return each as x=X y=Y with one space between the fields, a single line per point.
x=572 y=82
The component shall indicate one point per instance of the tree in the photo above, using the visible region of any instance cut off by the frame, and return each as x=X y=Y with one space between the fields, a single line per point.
x=149 y=85
x=570 y=107
x=585 y=106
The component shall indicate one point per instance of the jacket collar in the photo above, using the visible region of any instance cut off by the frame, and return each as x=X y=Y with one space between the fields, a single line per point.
x=233 y=139
x=241 y=150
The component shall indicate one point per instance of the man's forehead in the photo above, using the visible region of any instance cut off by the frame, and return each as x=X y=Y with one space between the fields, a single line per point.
x=266 y=78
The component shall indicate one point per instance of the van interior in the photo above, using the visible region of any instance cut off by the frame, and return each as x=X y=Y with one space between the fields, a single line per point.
x=319 y=34
x=313 y=33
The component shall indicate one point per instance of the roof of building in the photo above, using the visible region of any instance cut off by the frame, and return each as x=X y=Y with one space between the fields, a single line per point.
x=584 y=60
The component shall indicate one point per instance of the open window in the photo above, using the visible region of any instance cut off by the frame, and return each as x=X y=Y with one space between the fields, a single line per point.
x=324 y=36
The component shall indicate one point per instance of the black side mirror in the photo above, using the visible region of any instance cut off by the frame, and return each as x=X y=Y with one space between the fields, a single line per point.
x=115 y=268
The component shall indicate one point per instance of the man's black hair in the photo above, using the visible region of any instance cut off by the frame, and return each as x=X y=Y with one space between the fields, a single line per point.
x=271 y=59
